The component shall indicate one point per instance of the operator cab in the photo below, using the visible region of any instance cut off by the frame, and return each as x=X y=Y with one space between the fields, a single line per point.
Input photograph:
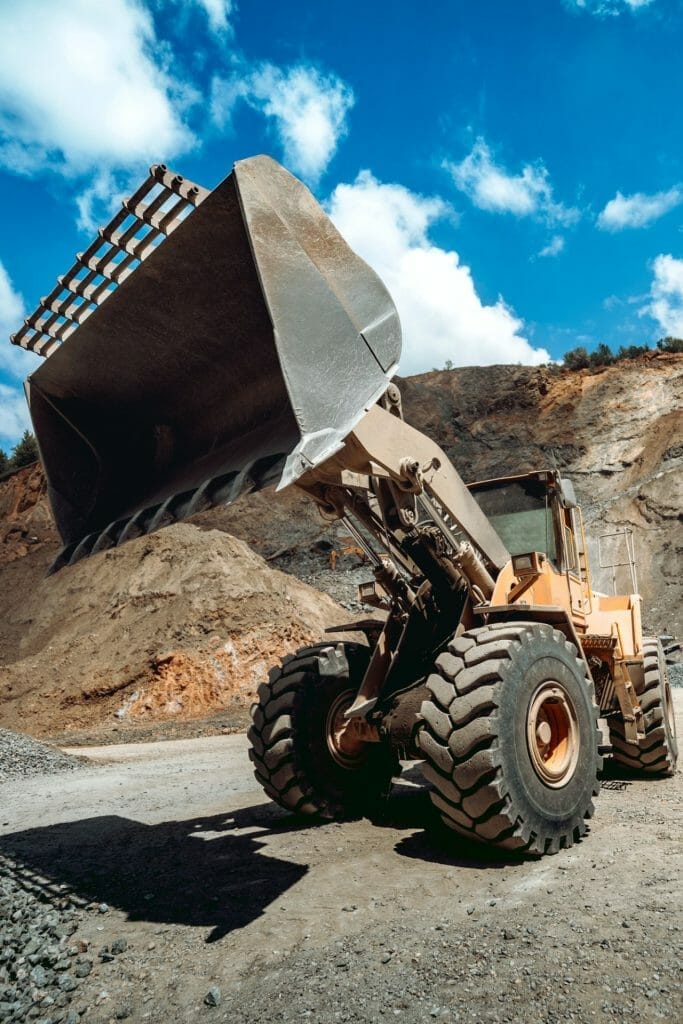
x=533 y=512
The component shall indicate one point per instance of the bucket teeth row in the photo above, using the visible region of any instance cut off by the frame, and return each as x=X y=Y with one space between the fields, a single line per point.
x=220 y=490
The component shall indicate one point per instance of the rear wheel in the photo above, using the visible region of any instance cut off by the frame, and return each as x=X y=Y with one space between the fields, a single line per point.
x=657 y=752
x=511 y=738
x=298 y=754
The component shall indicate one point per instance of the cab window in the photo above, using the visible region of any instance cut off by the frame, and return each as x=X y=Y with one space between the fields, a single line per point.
x=521 y=515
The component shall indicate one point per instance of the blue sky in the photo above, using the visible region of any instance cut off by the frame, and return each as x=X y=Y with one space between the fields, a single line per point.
x=512 y=168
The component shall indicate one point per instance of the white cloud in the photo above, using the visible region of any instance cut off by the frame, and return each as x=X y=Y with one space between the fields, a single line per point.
x=612 y=302
x=608 y=8
x=441 y=314
x=97 y=203
x=14 y=417
x=492 y=188
x=12 y=309
x=15 y=362
x=666 y=294
x=308 y=110
x=218 y=12
x=554 y=246
x=638 y=210
x=82 y=85
x=225 y=95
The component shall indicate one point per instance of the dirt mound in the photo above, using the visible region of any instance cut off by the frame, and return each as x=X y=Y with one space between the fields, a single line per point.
x=181 y=622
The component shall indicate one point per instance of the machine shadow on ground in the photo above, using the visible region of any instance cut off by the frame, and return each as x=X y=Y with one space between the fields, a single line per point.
x=201 y=872
x=204 y=871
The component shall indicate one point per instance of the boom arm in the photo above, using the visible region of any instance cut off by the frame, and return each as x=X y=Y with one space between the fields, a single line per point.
x=405 y=490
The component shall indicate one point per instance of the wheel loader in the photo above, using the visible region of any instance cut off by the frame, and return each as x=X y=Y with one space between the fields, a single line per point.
x=211 y=343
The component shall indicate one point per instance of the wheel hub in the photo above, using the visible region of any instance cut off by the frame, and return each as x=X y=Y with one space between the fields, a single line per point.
x=346 y=741
x=553 y=734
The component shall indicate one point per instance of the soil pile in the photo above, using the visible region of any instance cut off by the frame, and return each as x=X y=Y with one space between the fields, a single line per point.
x=182 y=622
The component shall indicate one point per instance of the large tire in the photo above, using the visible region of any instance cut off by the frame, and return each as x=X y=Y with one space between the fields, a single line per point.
x=493 y=778
x=657 y=752
x=294 y=758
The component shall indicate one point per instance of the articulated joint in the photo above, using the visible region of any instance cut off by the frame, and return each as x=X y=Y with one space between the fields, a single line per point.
x=411 y=476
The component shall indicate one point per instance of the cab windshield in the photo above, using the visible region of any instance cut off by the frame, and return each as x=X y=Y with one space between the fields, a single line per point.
x=520 y=513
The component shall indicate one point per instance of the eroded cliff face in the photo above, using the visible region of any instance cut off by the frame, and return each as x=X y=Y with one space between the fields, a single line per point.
x=78 y=645
x=25 y=520
x=616 y=432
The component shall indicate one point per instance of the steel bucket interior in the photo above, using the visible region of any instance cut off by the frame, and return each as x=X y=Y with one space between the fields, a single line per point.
x=240 y=353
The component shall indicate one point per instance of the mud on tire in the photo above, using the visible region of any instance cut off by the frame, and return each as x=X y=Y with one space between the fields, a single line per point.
x=487 y=782
x=292 y=757
x=657 y=752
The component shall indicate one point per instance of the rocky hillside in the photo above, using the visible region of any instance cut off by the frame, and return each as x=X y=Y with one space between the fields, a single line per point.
x=616 y=432
x=25 y=520
x=181 y=622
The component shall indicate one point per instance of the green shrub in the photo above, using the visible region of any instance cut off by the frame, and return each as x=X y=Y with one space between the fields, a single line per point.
x=25 y=452
x=632 y=351
x=670 y=344
x=576 y=359
x=602 y=356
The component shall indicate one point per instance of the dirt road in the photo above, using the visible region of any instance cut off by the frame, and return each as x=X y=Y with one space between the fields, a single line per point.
x=215 y=890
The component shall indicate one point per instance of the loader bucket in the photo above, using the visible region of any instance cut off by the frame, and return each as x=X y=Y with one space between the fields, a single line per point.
x=239 y=353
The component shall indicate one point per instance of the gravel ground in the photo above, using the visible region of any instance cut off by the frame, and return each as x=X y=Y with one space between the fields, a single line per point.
x=23 y=757
x=156 y=885
x=41 y=962
x=41 y=965
x=544 y=967
x=676 y=673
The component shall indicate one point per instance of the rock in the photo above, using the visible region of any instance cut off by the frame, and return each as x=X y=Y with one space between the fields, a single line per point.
x=119 y=946
x=213 y=996
x=38 y=976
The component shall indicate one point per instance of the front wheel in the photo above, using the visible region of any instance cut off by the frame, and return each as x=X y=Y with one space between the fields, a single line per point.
x=511 y=737
x=296 y=750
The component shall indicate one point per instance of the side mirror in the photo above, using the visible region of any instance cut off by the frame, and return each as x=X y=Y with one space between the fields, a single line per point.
x=568 y=494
